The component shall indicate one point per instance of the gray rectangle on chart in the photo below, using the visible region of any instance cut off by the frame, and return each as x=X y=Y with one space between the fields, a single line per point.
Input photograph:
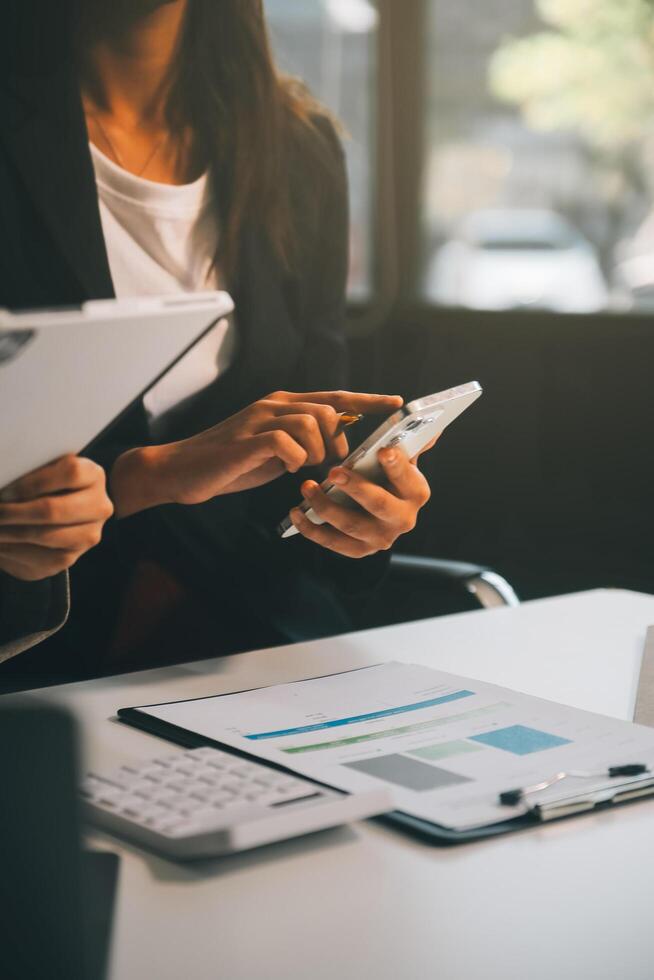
x=403 y=771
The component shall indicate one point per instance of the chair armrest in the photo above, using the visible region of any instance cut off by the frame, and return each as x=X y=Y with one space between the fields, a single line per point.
x=488 y=587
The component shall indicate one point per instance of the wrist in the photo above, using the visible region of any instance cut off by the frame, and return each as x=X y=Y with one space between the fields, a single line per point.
x=139 y=480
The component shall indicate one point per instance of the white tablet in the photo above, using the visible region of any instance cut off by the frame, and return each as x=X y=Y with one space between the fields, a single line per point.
x=66 y=375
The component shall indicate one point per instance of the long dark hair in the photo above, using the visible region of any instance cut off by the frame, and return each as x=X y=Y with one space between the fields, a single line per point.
x=248 y=119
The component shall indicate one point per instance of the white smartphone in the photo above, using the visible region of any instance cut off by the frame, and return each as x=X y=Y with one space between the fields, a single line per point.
x=411 y=428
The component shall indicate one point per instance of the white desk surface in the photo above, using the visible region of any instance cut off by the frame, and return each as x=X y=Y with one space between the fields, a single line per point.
x=571 y=901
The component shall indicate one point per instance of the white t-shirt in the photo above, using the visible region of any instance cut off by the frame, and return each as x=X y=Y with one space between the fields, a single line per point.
x=162 y=238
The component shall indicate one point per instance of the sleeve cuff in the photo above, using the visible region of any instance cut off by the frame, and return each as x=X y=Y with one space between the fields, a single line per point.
x=31 y=611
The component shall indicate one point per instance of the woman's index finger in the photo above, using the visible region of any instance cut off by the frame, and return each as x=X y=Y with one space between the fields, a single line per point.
x=355 y=402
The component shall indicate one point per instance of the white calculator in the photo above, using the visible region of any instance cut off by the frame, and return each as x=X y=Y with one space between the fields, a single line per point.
x=206 y=802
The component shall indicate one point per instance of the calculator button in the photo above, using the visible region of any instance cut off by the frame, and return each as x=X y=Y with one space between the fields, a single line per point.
x=117 y=782
x=131 y=809
x=220 y=798
x=288 y=782
x=203 y=753
x=233 y=801
x=269 y=799
x=288 y=792
x=265 y=779
x=178 y=785
x=185 y=769
x=243 y=769
x=206 y=815
x=232 y=786
x=152 y=772
x=168 y=826
x=109 y=798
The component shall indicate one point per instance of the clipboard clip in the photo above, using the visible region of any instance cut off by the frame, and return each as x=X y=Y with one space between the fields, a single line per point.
x=568 y=808
x=513 y=797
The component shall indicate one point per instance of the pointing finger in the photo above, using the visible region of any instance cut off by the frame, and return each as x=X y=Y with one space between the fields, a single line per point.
x=349 y=401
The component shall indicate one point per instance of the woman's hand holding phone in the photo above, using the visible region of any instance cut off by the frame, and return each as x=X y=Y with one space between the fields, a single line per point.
x=382 y=516
x=51 y=517
x=280 y=433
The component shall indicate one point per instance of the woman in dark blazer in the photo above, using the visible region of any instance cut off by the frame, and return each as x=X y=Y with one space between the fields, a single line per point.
x=166 y=90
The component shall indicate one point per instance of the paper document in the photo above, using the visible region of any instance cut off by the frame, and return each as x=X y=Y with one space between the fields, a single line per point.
x=446 y=745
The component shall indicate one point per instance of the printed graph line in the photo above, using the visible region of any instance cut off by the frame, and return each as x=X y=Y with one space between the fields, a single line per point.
x=369 y=716
x=421 y=726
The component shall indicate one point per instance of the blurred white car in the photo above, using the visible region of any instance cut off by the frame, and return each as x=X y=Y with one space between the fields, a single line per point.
x=517 y=258
x=634 y=271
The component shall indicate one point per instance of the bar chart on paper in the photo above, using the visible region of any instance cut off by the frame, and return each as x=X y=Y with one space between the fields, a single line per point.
x=446 y=745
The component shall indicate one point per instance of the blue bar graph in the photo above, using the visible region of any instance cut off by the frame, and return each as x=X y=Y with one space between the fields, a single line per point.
x=370 y=716
x=520 y=740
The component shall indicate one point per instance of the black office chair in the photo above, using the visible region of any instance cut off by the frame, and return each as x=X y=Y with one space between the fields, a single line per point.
x=420 y=588
x=488 y=587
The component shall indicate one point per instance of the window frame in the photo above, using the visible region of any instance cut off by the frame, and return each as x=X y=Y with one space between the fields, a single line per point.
x=399 y=143
x=397 y=234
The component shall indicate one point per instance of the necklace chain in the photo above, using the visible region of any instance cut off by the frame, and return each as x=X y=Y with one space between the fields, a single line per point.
x=118 y=157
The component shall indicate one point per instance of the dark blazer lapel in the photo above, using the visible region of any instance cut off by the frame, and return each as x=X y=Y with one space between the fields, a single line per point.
x=45 y=133
x=269 y=337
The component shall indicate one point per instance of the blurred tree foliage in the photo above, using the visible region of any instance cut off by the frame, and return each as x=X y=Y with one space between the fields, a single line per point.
x=591 y=70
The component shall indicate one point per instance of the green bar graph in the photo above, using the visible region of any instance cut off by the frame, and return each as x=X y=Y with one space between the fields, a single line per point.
x=422 y=726
x=443 y=750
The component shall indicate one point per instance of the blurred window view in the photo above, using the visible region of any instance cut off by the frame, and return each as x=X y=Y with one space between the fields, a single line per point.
x=539 y=174
x=331 y=46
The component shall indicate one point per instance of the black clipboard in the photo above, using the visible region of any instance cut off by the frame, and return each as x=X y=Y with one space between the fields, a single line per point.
x=425 y=830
